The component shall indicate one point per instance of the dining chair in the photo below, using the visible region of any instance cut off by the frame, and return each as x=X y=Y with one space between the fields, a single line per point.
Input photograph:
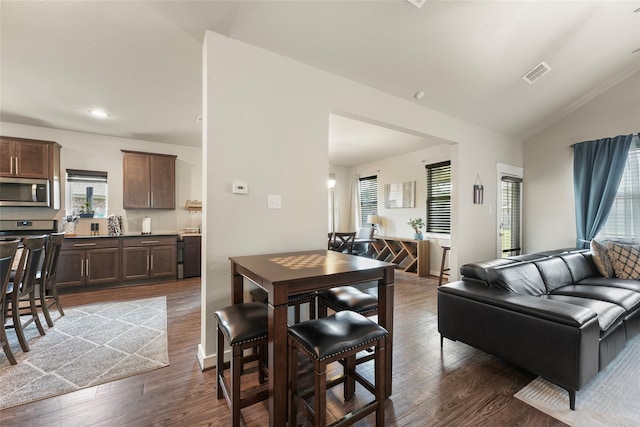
x=22 y=289
x=343 y=242
x=362 y=248
x=48 y=290
x=7 y=254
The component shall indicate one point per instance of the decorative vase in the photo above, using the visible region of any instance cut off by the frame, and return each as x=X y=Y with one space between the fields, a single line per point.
x=417 y=236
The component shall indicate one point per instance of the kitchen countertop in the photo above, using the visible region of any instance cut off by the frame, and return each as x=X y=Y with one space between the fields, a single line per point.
x=101 y=236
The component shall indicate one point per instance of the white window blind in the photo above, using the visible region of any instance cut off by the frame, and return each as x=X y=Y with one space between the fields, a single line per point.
x=368 y=197
x=510 y=228
x=623 y=222
x=439 y=197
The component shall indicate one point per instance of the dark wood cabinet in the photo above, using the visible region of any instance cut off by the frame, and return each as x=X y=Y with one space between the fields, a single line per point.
x=149 y=257
x=148 y=180
x=192 y=256
x=88 y=262
x=32 y=158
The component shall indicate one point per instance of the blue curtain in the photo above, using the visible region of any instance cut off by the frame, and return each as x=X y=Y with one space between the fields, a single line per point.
x=597 y=169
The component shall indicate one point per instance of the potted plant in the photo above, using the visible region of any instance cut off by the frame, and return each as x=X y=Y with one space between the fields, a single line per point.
x=86 y=211
x=417 y=225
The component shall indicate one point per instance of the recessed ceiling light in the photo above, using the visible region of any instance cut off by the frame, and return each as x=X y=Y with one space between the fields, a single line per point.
x=96 y=112
x=419 y=94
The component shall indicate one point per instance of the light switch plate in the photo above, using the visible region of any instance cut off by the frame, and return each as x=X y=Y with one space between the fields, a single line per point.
x=274 y=201
x=240 y=188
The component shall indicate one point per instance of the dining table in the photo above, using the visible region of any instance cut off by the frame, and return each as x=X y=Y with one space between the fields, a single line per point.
x=292 y=273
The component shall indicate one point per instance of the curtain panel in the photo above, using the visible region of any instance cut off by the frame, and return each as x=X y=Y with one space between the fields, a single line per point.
x=597 y=170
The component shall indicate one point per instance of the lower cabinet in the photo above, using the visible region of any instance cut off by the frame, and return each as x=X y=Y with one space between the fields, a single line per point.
x=116 y=260
x=88 y=262
x=149 y=257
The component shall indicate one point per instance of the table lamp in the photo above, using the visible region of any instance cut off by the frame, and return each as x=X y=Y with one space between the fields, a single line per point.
x=374 y=220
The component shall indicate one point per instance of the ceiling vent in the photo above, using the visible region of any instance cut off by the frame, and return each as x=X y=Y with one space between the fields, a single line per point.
x=536 y=72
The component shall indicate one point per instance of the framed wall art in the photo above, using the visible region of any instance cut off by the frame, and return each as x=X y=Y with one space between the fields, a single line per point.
x=400 y=195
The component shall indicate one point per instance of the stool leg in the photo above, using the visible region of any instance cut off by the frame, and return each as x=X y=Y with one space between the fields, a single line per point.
x=444 y=257
x=312 y=308
x=220 y=363
x=296 y=313
x=380 y=368
x=293 y=384
x=320 y=394
x=236 y=367
x=349 y=379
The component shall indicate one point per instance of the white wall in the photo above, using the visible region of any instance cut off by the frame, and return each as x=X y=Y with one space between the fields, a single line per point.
x=549 y=204
x=267 y=124
x=102 y=153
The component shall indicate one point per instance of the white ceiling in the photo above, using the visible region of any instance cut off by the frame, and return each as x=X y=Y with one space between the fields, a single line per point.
x=141 y=61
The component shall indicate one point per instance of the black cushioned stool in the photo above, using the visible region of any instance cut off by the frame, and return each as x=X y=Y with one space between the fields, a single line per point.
x=244 y=326
x=327 y=340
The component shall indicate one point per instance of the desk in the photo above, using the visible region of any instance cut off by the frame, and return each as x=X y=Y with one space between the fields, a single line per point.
x=286 y=274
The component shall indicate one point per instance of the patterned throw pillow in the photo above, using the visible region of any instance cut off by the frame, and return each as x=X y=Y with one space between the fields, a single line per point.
x=601 y=258
x=625 y=260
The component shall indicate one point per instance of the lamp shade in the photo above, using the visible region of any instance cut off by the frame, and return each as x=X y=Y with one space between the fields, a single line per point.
x=373 y=219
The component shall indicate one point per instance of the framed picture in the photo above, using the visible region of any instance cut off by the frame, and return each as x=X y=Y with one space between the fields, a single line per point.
x=400 y=195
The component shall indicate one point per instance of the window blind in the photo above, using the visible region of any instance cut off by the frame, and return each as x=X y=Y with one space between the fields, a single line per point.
x=368 y=197
x=439 y=197
x=511 y=215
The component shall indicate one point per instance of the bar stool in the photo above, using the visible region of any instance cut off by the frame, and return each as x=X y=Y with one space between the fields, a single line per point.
x=244 y=326
x=327 y=340
x=258 y=294
x=7 y=254
x=444 y=271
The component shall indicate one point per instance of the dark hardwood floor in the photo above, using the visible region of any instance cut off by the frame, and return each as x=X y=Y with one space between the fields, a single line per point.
x=457 y=385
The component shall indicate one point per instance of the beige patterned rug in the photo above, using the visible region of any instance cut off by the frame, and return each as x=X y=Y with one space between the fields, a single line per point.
x=612 y=398
x=90 y=345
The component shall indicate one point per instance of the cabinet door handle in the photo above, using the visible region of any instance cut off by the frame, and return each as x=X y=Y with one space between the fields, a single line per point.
x=76 y=245
x=82 y=268
x=148 y=257
x=151 y=269
x=11 y=166
x=17 y=173
x=151 y=199
x=147 y=242
x=87 y=267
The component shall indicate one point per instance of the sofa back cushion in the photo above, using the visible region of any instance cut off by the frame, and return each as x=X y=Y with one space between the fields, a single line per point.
x=477 y=271
x=580 y=266
x=554 y=272
x=521 y=278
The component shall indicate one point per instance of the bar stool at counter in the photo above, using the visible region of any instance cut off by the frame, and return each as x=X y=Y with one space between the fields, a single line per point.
x=327 y=340
x=244 y=326
x=47 y=277
x=7 y=254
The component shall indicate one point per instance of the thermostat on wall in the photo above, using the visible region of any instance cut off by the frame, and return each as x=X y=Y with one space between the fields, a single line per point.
x=240 y=188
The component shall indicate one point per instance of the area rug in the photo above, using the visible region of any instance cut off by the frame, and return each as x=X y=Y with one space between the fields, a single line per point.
x=90 y=345
x=612 y=398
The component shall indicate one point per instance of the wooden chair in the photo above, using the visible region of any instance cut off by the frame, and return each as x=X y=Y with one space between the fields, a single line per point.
x=444 y=271
x=326 y=340
x=363 y=249
x=7 y=255
x=22 y=289
x=343 y=242
x=48 y=290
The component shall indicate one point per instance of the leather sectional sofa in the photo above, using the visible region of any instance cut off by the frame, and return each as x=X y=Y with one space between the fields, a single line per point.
x=550 y=313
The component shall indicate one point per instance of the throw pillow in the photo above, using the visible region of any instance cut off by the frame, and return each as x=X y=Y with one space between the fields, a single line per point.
x=601 y=259
x=625 y=260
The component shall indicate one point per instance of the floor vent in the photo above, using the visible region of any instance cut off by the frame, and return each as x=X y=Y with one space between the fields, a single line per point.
x=536 y=72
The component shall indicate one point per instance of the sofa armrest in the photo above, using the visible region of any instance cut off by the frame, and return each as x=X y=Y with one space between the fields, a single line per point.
x=555 y=340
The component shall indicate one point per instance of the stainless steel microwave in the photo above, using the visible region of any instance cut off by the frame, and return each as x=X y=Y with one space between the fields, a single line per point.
x=24 y=192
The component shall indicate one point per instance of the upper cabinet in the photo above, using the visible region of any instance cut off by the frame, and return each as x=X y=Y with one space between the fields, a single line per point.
x=27 y=158
x=149 y=180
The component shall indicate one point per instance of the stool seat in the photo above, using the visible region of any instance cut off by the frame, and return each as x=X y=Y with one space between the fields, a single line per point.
x=349 y=298
x=330 y=336
x=242 y=323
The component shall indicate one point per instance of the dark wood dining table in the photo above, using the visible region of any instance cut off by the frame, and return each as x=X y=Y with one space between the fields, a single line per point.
x=285 y=274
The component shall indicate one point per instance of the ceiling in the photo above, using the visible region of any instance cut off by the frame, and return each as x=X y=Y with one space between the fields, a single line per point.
x=142 y=61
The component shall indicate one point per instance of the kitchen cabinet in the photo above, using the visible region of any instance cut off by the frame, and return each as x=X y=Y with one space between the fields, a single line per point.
x=148 y=180
x=28 y=158
x=149 y=257
x=88 y=262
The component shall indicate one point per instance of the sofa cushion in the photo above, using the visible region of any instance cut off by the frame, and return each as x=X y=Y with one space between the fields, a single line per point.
x=610 y=316
x=554 y=272
x=625 y=260
x=629 y=300
x=579 y=266
x=614 y=282
x=478 y=270
x=601 y=258
x=521 y=278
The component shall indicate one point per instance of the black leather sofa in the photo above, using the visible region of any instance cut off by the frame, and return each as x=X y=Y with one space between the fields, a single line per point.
x=551 y=313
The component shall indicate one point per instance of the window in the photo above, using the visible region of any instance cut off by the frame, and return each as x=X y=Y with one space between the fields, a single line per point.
x=368 y=197
x=623 y=222
x=439 y=197
x=86 y=193
x=511 y=216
